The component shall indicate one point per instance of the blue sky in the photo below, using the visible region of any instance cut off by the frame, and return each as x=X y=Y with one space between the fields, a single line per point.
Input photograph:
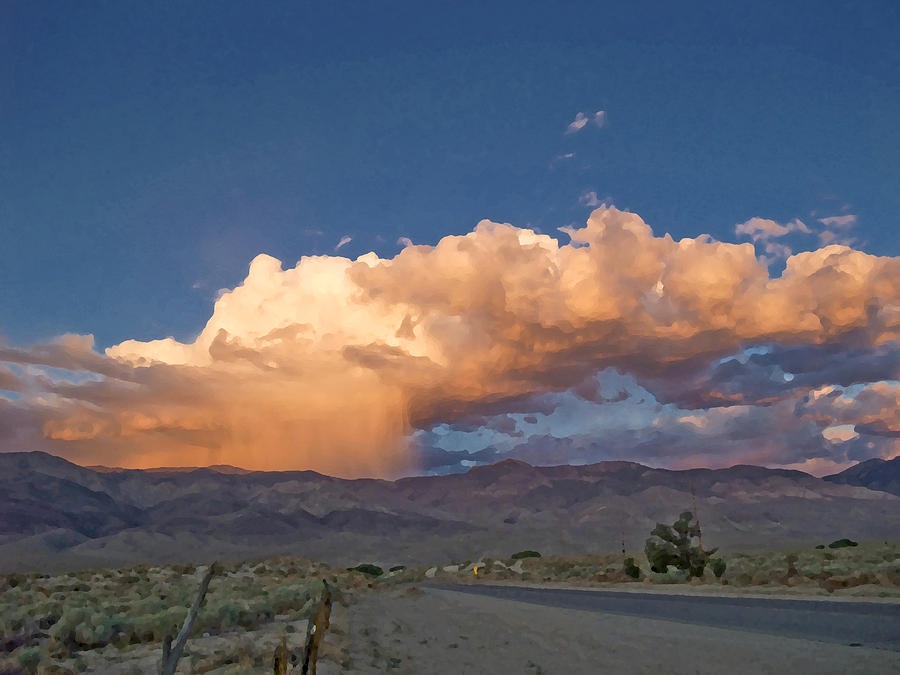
x=151 y=151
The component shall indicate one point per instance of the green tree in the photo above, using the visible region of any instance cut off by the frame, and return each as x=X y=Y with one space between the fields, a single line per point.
x=673 y=545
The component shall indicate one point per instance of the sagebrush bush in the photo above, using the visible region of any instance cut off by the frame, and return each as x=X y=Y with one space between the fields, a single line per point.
x=672 y=545
x=631 y=569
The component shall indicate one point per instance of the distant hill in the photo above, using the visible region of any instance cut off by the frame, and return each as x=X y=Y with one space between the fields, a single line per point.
x=875 y=474
x=57 y=515
x=220 y=468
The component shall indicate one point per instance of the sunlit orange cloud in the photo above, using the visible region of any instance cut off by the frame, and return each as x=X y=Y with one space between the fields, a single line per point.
x=329 y=364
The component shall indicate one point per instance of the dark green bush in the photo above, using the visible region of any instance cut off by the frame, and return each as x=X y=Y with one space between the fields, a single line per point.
x=671 y=545
x=842 y=543
x=631 y=569
x=821 y=546
x=525 y=554
x=397 y=568
x=367 y=568
x=718 y=567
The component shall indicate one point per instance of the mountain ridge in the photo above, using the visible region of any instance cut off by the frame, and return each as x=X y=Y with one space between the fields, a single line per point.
x=56 y=514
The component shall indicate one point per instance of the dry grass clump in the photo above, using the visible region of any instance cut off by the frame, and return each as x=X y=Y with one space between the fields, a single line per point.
x=871 y=569
x=51 y=622
x=872 y=564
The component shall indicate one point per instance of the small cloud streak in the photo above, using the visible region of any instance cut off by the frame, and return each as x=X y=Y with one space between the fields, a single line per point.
x=839 y=221
x=763 y=229
x=590 y=199
x=561 y=158
x=582 y=120
x=346 y=239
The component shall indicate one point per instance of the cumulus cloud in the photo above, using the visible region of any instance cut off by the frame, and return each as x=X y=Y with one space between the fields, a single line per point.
x=404 y=242
x=331 y=364
x=582 y=120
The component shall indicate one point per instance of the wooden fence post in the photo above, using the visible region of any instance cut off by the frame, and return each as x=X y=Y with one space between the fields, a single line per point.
x=315 y=630
x=172 y=652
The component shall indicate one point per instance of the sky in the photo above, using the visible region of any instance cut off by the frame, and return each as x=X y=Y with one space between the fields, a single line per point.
x=393 y=238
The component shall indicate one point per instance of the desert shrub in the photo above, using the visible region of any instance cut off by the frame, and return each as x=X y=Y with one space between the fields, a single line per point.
x=821 y=546
x=744 y=579
x=15 y=580
x=631 y=569
x=29 y=658
x=397 y=568
x=367 y=568
x=232 y=615
x=288 y=598
x=842 y=543
x=672 y=545
x=672 y=575
x=525 y=554
x=718 y=567
x=155 y=627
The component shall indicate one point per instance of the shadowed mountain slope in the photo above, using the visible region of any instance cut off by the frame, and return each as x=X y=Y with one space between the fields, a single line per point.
x=55 y=514
x=875 y=474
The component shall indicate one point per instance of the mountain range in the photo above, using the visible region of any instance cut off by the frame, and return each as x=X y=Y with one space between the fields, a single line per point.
x=57 y=515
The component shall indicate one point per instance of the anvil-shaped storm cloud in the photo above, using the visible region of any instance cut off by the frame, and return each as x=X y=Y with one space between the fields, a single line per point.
x=345 y=366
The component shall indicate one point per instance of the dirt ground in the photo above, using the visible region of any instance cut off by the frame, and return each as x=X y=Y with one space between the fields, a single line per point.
x=419 y=631
x=434 y=631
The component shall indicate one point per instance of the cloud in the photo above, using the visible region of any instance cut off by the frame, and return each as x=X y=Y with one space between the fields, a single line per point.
x=9 y=381
x=837 y=230
x=776 y=374
x=848 y=220
x=873 y=409
x=346 y=239
x=763 y=229
x=590 y=199
x=404 y=242
x=333 y=363
x=561 y=158
x=581 y=121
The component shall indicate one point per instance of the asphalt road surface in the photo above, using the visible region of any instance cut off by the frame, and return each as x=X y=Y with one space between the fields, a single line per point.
x=867 y=624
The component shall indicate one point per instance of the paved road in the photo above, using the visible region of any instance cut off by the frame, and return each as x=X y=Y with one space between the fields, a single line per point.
x=851 y=623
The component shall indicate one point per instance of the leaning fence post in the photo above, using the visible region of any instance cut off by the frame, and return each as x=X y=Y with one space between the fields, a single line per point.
x=315 y=629
x=172 y=652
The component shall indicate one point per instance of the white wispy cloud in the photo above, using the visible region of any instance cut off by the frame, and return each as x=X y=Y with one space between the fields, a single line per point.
x=837 y=230
x=404 y=242
x=839 y=221
x=581 y=121
x=561 y=158
x=590 y=199
x=346 y=239
x=763 y=229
